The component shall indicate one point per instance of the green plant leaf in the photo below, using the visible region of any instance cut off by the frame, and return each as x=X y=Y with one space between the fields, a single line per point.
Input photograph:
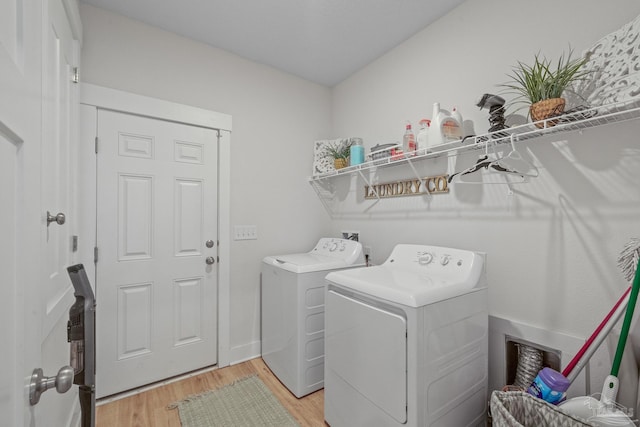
x=543 y=80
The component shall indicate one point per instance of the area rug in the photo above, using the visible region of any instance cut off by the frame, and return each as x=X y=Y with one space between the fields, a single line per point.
x=244 y=403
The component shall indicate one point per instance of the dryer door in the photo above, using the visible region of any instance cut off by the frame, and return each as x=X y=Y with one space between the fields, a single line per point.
x=367 y=347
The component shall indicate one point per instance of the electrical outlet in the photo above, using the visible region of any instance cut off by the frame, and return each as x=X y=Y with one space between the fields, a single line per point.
x=245 y=232
x=351 y=235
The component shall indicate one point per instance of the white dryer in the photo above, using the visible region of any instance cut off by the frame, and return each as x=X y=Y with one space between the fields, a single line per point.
x=406 y=341
x=292 y=311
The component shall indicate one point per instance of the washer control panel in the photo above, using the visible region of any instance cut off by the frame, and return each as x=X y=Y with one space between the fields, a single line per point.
x=338 y=248
x=426 y=258
x=436 y=257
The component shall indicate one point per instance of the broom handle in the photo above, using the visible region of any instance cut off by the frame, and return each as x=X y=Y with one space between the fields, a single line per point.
x=599 y=340
x=577 y=358
x=635 y=288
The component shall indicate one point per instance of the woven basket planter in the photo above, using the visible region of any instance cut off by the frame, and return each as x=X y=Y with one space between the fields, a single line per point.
x=546 y=109
x=340 y=163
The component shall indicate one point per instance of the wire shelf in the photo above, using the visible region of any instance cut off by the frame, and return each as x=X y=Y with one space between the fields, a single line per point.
x=569 y=122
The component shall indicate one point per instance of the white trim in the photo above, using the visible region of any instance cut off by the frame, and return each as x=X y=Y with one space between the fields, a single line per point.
x=245 y=352
x=116 y=100
x=73 y=15
x=224 y=250
x=125 y=102
x=153 y=386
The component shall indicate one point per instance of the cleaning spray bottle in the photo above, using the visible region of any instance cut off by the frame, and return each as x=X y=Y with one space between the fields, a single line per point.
x=409 y=141
x=435 y=130
x=422 y=141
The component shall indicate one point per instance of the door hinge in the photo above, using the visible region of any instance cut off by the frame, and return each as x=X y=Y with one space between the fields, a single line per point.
x=95 y=255
x=217 y=259
x=76 y=75
x=96 y=142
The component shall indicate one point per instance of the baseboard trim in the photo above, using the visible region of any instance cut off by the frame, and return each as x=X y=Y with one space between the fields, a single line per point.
x=245 y=352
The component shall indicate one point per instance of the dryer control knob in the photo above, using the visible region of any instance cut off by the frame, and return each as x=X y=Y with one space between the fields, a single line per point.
x=333 y=247
x=445 y=259
x=425 y=259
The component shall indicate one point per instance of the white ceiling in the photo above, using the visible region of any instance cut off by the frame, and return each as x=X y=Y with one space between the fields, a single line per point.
x=324 y=41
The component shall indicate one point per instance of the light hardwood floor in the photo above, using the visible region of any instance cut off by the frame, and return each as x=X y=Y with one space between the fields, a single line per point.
x=149 y=408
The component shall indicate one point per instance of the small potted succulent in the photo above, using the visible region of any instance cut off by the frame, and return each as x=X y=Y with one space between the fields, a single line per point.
x=541 y=85
x=339 y=151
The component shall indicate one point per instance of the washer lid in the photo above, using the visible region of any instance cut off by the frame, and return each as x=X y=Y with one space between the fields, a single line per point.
x=306 y=263
x=328 y=254
x=415 y=276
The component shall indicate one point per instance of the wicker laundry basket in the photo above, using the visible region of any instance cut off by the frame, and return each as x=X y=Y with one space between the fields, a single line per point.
x=520 y=409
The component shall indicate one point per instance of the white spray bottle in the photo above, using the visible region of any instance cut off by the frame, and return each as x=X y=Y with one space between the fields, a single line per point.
x=422 y=140
x=435 y=130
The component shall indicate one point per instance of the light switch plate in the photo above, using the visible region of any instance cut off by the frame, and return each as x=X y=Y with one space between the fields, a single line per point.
x=245 y=232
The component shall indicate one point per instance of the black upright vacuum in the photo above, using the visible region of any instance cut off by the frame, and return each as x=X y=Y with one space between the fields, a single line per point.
x=81 y=333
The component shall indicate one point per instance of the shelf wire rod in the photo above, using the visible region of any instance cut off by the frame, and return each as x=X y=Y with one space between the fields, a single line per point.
x=368 y=184
x=417 y=175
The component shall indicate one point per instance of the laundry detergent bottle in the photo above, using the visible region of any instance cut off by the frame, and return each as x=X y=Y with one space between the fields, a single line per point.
x=452 y=126
x=445 y=127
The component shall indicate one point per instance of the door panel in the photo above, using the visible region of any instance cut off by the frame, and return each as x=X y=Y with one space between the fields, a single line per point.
x=36 y=47
x=135 y=211
x=157 y=184
x=59 y=93
x=57 y=195
x=9 y=378
x=134 y=320
x=188 y=217
x=362 y=339
x=188 y=308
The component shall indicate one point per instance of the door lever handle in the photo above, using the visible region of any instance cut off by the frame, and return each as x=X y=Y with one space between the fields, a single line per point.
x=39 y=383
x=58 y=219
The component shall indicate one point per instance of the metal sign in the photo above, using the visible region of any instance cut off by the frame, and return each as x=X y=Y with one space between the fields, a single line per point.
x=410 y=187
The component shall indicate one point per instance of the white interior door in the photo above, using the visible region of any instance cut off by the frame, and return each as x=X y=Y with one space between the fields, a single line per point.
x=156 y=233
x=59 y=95
x=31 y=339
x=58 y=196
x=17 y=137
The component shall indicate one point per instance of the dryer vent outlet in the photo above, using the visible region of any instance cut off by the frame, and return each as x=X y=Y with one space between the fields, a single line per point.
x=519 y=351
x=351 y=235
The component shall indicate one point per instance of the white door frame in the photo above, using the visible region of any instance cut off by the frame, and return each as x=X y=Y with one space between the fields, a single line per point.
x=115 y=100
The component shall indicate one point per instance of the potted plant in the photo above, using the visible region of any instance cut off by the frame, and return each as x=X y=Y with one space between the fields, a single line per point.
x=542 y=84
x=339 y=152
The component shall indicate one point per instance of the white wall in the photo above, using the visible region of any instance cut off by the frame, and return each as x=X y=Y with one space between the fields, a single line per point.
x=552 y=246
x=276 y=117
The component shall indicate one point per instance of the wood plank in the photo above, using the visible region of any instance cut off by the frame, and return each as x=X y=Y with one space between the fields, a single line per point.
x=150 y=408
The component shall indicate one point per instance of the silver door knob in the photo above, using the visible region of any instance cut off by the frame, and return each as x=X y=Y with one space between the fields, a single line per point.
x=209 y=243
x=58 y=219
x=39 y=383
x=210 y=260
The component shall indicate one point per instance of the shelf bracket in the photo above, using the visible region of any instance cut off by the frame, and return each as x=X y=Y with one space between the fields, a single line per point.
x=418 y=177
x=368 y=184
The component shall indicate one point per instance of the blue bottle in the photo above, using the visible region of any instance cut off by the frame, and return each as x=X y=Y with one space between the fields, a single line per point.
x=356 y=152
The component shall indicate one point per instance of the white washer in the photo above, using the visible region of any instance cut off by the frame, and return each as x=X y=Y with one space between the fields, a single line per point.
x=293 y=290
x=406 y=341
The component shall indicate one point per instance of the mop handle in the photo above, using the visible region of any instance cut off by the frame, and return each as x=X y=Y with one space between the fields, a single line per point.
x=572 y=364
x=599 y=339
x=626 y=325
